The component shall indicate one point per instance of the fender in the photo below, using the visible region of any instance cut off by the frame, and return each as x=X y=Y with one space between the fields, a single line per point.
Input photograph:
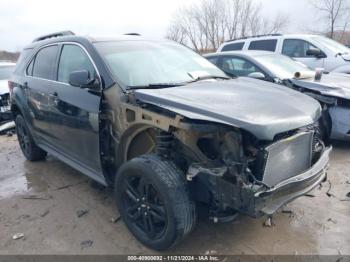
x=342 y=69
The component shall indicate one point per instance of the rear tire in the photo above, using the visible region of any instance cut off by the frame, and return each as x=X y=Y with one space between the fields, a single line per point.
x=29 y=149
x=153 y=201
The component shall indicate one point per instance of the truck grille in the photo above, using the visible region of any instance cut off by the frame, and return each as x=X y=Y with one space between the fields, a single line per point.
x=288 y=157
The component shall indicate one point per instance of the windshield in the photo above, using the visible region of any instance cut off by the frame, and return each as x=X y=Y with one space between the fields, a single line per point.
x=281 y=66
x=332 y=45
x=6 y=71
x=144 y=63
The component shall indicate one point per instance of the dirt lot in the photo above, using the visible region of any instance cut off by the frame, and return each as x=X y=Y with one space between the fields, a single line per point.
x=42 y=199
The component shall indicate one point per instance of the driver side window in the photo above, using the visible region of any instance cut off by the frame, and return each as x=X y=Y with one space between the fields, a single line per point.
x=296 y=48
x=73 y=58
x=238 y=66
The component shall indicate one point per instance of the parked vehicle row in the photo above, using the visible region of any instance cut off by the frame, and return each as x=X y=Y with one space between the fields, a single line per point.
x=167 y=130
x=312 y=50
x=332 y=90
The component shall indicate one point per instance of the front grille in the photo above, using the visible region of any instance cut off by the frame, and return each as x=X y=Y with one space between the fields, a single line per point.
x=288 y=157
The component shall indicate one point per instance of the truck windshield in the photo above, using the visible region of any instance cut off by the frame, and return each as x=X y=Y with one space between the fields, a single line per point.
x=150 y=63
x=332 y=45
x=281 y=66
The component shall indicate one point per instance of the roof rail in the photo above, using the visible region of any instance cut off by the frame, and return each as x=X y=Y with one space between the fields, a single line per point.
x=57 y=34
x=246 y=37
x=136 y=34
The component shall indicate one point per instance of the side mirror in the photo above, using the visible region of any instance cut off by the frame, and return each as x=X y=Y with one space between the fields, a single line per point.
x=81 y=79
x=257 y=75
x=315 y=52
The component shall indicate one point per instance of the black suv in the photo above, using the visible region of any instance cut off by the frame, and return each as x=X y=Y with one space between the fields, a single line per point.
x=167 y=129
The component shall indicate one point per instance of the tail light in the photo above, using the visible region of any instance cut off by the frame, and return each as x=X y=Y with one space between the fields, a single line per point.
x=10 y=84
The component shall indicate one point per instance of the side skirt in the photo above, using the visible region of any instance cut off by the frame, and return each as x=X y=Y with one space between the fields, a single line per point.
x=93 y=174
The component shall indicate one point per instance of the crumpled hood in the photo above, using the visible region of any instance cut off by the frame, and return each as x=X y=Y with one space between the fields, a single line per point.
x=4 y=87
x=262 y=108
x=332 y=84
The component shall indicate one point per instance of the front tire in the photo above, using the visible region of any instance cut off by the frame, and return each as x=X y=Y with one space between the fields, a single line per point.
x=29 y=149
x=153 y=201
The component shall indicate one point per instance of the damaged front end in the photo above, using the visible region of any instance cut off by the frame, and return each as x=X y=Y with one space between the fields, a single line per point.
x=235 y=172
x=332 y=91
x=5 y=111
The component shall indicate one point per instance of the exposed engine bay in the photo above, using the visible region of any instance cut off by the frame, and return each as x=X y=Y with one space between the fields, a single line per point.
x=227 y=167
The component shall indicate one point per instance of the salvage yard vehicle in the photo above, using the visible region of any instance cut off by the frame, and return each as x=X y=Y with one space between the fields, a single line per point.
x=332 y=90
x=167 y=129
x=315 y=51
x=6 y=69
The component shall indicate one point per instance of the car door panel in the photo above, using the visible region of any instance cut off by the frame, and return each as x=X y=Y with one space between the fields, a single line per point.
x=37 y=87
x=297 y=48
x=39 y=106
x=75 y=113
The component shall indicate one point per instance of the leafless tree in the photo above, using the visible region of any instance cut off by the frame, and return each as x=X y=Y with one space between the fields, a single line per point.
x=333 y=12
x=177 y=33
x=207 y=24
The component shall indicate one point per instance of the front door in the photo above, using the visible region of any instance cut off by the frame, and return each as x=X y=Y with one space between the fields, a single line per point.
x=297 y=49
x=75 y=111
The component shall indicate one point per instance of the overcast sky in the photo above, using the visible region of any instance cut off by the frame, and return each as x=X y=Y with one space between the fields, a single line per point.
x=23 y=20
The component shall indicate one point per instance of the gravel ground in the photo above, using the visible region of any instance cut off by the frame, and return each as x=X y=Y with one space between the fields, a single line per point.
x=42 y=200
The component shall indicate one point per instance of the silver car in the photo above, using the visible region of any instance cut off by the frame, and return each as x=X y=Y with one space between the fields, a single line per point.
x=332 y=90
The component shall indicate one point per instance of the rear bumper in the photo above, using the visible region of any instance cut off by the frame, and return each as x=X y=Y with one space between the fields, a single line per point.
x=270 y=200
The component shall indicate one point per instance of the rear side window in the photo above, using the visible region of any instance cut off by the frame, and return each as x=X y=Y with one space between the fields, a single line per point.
x=73 y=58
x=45 y=62
x=265 y=45
x=233 y=47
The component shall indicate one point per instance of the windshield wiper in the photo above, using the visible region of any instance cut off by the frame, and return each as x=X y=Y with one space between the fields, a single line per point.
x=200 y=78
x=155 y=86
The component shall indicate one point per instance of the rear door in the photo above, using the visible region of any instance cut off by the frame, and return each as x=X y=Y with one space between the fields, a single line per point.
x=75 y=111
x=38 y=89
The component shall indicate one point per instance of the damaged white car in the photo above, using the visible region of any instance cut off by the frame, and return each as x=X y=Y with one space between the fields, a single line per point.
x=331 y=89
x=6 y=69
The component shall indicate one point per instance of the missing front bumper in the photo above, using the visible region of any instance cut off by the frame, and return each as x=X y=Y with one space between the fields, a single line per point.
x=268 y=201
x=254 y=200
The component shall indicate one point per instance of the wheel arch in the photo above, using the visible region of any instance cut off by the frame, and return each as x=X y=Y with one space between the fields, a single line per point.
x=15 y=109
x=127 y=148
